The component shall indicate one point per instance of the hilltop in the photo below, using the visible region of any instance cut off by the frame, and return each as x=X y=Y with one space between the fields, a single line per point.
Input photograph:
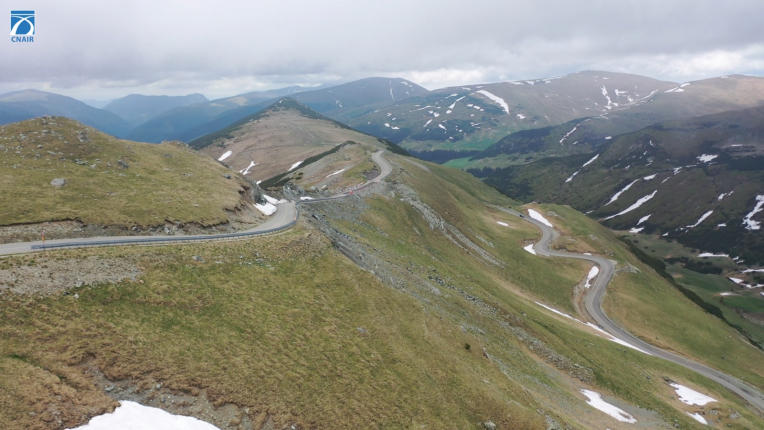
x=54 y=169
x=286 y=137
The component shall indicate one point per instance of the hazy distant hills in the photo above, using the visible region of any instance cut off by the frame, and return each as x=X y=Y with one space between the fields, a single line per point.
x=138 y=108
x=25 y=104
x=697 y=180
x=191 y=121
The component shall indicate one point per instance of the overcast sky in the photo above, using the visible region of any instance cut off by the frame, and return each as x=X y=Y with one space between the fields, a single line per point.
x=106 y=49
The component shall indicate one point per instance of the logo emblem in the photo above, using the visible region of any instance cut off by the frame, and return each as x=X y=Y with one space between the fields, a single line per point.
x=22 y=22
x=22 y=26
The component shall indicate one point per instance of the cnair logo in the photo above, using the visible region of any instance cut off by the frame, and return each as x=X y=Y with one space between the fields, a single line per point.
x=22 y=26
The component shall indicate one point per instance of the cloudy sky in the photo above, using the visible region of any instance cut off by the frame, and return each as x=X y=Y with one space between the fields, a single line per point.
x=106 y=49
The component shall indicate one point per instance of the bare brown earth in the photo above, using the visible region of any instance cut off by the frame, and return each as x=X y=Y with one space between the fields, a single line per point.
x=278 y=139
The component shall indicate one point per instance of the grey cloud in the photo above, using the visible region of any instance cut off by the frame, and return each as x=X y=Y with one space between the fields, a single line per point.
x=90 y=49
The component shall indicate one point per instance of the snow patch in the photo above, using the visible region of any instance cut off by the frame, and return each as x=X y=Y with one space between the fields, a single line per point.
x=590 y=161
x=267 y=208
x=701 y=219
x=689 y=396
x=134 y=416
x=306 y=198
x=530 y=249
x=650 y=177
x=698 y=417
x=709 y=255
x=634 y=206
x=706 y=158
x=593 y=272
x=246 y=171
x=540 y=218
x=336 y=173
x=572 y=130
x=644 y=218
x=635 y=230
x=225 y=155
x=496 y=99
x=594 y=399
x=723 y=195
x=295 y=165
x=610 y=103
x=549 y=308
x=520 y=116
x=748 y=221
x=502 y=223
x=272 y=200
x=623 y=190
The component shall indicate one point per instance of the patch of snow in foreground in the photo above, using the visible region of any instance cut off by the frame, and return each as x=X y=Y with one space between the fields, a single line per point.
x=644 y=218
x=335 y=173
x=691 y=397
x=635 y=205
x=267 y=208
x=540 y=218
x=708 y=254
x=530 y=249
x=502 y=223
x=496 y=99
x=706 y=158
x=698 y=417
x=701 y=219
x=306 y=198
x=753 y=270
x=593 y=272
x=635 y=230
x=134 y=416
x=595 y=400
x=295 y=165
x=623 y=190
x=748 y=221
x=225 y=155
x=650 y=177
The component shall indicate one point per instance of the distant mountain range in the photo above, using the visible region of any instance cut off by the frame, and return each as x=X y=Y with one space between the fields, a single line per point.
x=697 y=181
x=26 y=104
x=137 y=109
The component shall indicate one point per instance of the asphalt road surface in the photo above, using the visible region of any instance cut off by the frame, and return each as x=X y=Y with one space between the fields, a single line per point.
x=593 y=306
x=284 y=218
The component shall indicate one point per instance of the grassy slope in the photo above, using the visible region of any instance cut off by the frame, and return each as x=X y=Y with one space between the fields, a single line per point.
x=162 y=182
x=704 y=277
x=272 y=324
x=648 y=306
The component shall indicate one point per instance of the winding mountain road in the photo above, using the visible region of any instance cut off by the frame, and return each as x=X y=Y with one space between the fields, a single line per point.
x=593 y=307
x=285 y=217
